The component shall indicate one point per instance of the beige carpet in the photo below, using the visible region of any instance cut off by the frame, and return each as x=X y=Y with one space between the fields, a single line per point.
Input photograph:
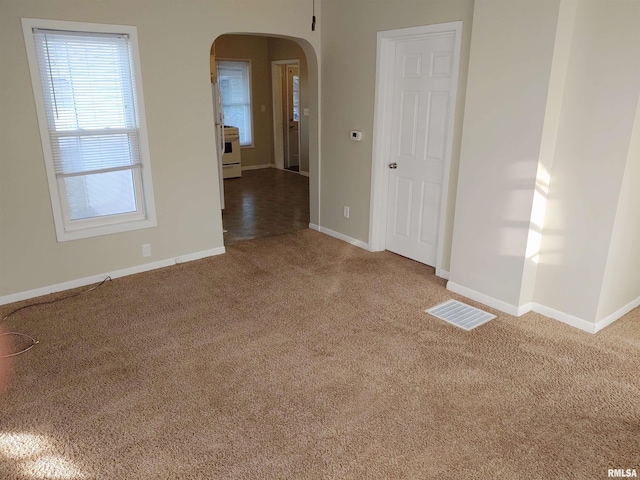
x=301 y=356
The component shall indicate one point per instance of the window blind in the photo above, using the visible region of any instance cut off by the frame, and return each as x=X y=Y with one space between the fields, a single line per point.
x=235 y=89
x=90 y=101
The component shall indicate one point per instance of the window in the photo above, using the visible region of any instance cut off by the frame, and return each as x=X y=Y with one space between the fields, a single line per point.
x=296 y=98
x=234 y=80
x=88 y=96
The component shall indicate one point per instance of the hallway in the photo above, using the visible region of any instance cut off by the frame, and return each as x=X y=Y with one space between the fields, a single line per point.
x=264 y=203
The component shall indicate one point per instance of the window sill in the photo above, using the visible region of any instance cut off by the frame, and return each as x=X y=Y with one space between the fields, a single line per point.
x=64 y=236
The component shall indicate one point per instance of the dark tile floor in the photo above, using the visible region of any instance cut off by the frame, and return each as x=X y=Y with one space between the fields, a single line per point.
x=264 y=203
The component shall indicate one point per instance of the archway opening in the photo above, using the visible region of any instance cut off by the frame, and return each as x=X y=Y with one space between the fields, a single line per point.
x=265 y=100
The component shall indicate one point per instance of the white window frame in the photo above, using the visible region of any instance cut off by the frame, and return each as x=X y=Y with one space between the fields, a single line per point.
x=247 y=61
x=66 y=229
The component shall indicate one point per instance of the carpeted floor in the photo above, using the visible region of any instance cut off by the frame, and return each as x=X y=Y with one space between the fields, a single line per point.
x=301 y=356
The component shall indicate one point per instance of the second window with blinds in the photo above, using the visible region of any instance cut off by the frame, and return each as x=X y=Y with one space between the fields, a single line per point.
x=234 y=80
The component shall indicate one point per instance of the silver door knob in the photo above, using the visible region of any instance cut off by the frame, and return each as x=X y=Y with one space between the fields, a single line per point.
x=393 y=165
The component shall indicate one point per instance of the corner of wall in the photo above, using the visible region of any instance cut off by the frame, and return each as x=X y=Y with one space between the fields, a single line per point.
x=621 y=283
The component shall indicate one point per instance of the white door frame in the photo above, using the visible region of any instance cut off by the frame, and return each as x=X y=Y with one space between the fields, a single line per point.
x=383 y=123
x=278 y=119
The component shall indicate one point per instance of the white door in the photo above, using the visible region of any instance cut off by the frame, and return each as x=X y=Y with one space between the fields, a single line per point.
x=421 y=99
x=286 y=110
x=292 y=113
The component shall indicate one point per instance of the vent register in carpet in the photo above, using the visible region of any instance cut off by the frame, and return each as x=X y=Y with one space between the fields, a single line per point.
x=460 y=314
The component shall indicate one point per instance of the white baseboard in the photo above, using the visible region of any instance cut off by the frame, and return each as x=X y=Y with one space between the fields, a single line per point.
x=484 y=299
x=527 y=307
x=442 y=273
x=81 y=282
x=304 y=174
x=339 y=236
x=608 y=320
x=552 y=313
x=565 y=318
x=258 y=167
x=581 y=323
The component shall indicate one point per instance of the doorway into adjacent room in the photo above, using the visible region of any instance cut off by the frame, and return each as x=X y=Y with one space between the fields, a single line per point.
x=262 y=83
x=285 y=83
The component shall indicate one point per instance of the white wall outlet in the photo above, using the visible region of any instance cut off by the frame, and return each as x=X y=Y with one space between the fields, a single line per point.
x=346 y=212
x=305 y=112
x=355 y=135
x=146 y=250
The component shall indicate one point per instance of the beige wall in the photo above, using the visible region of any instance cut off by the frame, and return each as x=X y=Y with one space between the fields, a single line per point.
x=256 y=49
x=550 y=121
x=621 y=284
x=175 y=42
x=553 y=110
x=581 y=248
x=511 y=54
x=349 y=36
x=283 y=49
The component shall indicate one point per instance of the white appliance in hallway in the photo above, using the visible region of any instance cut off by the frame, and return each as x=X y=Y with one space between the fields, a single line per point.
x=227 y=144
x=231 y=159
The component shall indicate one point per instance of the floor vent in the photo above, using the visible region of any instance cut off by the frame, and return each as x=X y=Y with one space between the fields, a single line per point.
x=460 y=314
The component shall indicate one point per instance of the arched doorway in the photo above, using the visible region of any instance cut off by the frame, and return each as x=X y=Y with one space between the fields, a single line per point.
x=267 y=170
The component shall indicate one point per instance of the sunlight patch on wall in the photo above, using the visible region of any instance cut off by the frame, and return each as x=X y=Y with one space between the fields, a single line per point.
x=538 y=211
x=534 y=241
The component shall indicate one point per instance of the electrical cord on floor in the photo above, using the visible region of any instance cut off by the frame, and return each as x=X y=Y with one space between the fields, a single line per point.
x=34 y=342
